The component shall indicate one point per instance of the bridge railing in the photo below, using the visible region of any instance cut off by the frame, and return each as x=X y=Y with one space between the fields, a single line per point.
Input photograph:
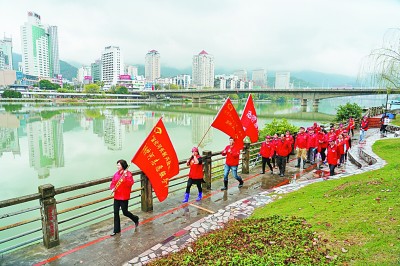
x=43 y=216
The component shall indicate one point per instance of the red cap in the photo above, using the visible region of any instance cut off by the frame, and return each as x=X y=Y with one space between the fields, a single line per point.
x=268 y=137
x=331 y=139
x=195 y=149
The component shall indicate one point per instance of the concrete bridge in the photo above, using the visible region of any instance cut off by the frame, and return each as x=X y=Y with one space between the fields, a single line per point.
x=305 y=94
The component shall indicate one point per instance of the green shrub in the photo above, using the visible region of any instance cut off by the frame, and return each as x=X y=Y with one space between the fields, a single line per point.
x=278 y=127
x=11 y=94
x=343 y=112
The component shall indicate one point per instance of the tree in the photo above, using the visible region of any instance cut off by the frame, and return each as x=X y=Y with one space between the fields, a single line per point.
x=11 y=94
x=343 y=112
x=44 y=84
x=121 y=90
x=382 y=65
x=278 y=127
x=91 y=88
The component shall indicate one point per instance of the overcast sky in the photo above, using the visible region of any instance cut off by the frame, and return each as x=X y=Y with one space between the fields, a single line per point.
x=330 y=36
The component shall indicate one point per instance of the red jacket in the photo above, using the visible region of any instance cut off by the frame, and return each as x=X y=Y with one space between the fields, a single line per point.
x=283 y=148
x=122 y=191
x=364 y=124
x=322 y=140
x=232 y=155
x=312 y=141
x=301 y=141
x=196 y=170
x=341 y=143
x=351 y=123
x=332 y=154
x=266 y=150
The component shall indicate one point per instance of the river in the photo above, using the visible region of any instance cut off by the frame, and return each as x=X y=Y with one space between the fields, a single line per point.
x=69 y=144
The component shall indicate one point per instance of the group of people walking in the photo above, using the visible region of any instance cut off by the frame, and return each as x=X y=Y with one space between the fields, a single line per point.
x=311 y=145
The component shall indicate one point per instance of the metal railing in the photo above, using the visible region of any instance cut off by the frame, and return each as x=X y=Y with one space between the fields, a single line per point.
x=51 y=211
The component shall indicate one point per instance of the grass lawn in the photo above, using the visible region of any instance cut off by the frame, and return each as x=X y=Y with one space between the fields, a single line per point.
x=396 y=121
x=358 y=216
x=351 y=221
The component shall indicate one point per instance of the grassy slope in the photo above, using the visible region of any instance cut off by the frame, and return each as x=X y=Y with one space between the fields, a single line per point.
x=358 y=215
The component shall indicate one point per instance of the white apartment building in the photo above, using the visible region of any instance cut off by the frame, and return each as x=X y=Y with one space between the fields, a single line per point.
x=83 y=72
x=39 y=48
x=203 y=70
x=241 y=74
x=112 y=65
x=152 y=68
x=182 y=80
x=131 y=71
x=259 y=77
x=6 y=61
x=282 y=80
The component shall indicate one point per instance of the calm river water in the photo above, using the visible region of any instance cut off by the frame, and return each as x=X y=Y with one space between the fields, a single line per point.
x=64 y=145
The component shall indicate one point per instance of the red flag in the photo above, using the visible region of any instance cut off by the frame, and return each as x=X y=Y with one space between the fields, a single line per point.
x=228 y=121
x=249 y=120
x=157 y=159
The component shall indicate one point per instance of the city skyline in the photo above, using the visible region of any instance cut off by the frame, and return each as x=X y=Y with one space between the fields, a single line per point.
x=324 y=36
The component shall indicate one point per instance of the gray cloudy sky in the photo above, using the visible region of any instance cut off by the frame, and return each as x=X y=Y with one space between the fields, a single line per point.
x=330 y=36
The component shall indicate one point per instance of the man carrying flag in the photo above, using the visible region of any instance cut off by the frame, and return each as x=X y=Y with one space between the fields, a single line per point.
x=228 y=121
x=157 y=159
x=231 y=163
x=249 y=120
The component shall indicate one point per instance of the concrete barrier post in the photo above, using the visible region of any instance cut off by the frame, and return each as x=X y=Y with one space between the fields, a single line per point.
x=147 y=193
x=49 y=216
x=246 y=158
x=207 y=163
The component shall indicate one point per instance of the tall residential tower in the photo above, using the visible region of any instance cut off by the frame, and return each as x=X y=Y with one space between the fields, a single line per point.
x=152 y=69
x=6 y=61
x=39 y=48
x=203 y=70
x=112 y=65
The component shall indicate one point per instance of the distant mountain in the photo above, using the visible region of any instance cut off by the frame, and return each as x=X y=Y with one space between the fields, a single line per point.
x=67 y=70
x=324 y=79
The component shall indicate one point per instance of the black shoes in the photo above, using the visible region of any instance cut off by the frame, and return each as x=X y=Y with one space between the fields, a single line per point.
x=113 y=234
x=240 y=184
x=261 y=173
x=137 y=223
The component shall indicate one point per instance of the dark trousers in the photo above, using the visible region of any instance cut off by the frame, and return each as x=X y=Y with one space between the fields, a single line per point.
x=332 y=169
x=266 y=161
x=323 y=155
x=281 y=162
x=190 y=182
x=274 y=159
x=123 y=204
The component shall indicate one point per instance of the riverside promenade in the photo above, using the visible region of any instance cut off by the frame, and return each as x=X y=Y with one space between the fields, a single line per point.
x=172 y=225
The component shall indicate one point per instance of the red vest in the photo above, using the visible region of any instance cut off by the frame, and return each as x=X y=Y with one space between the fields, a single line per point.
x=266 y=150
x=123 y=191
x=301 y=141
x=332 y=154
x=232 y=155
x=196 y=170
x=283 y=148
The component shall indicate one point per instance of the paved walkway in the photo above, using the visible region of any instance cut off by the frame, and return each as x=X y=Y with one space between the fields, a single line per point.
x=245 y=207
x=172 y=225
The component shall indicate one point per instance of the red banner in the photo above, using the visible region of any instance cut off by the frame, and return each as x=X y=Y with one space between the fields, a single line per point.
x=249 y=120
x=228 y=121
x=157 y=159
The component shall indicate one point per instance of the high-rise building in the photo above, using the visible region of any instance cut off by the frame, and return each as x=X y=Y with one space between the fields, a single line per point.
x=241 y=74
x=152 y=69
x=259 y=77
x=6 y=61
x=112 y=65
x=131 y=71
x=282 y=80
x=84 y=71
x=203 y=70
x=96 y=70
x=39 y=48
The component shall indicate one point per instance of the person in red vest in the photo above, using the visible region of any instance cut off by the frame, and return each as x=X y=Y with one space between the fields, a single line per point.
x=266 y=152
x=195 y=163
x=282 y=148
x=300 y=146
x=322 y=140
x=121 y=186
x=351 y=125
x=312 y=145
x=363 y=129
x=331 y=133
x=332 y=156
x=289 y=138
x=231 y=163
x=347 y=140
x=341 y=146
x=273 y=142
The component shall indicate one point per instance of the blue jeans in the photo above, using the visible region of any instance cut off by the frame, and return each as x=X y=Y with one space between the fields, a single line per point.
x=227 y=168
x=362 y=134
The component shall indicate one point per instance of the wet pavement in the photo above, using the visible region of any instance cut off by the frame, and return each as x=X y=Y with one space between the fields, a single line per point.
x=172 y=225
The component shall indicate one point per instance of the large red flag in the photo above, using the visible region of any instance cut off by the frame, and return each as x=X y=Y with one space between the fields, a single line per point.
x=249 y=120
x=228 y=121
x=157 y=159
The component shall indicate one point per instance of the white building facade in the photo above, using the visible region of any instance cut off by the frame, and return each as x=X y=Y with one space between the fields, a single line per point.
x=282 y=80
x=259 y=78
x=152 y=68
x=203 y=70
x=6 y=61
x=112 y=65
x=39 y=48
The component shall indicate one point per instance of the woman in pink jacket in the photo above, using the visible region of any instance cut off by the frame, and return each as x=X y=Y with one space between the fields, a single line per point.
x=121 y=186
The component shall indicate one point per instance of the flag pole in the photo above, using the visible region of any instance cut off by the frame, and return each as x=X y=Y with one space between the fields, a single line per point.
x=198 y=145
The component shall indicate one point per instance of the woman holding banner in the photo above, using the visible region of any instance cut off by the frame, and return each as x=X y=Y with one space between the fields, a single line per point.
x=121 y=186
x=195 y=163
